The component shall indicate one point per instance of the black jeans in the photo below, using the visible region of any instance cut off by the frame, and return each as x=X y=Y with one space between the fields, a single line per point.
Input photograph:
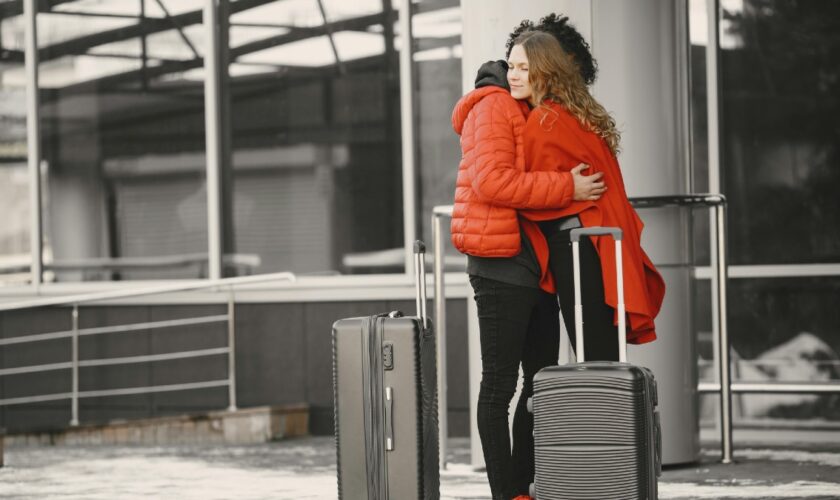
x=600 y=334
x=521 y=325
x=517 y=325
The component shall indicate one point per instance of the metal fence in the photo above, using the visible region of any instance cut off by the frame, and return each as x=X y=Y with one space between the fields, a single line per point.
x=75 y=333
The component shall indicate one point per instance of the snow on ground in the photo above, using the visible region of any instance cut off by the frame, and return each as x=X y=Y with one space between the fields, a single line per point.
x=798 y=456
x=305 y=469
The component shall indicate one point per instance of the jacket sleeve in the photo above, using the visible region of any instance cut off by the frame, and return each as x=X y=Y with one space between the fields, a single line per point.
x=493 y=174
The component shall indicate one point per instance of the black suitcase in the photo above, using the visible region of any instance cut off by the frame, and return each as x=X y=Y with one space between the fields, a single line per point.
x=384 y=380
x=596 y=428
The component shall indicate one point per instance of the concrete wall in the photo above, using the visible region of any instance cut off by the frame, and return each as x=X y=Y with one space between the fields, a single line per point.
x=283 y=356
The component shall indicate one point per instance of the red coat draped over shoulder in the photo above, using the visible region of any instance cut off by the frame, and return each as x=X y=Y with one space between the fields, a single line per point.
x=493 y=181
x=555 y=140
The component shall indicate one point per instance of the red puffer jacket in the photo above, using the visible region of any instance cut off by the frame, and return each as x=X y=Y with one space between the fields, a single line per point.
x=493 y=181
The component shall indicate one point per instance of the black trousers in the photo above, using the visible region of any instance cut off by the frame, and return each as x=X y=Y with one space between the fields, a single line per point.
x=600 y=334
x=520 y=325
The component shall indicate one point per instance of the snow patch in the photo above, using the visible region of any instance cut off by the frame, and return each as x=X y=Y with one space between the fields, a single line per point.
x=827 y=459
x=793 y=360
x=796 y=489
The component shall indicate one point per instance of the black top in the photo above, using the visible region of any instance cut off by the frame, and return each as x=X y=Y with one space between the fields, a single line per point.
x=521 y=269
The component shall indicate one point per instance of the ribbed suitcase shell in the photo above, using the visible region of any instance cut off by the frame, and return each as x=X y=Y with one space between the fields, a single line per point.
x=596 y=432
x=364 y=419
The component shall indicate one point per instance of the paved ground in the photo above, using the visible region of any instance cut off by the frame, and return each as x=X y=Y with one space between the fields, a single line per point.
x=304 y=468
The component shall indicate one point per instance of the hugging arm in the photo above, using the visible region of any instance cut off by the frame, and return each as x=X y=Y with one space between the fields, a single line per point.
x=496 y=179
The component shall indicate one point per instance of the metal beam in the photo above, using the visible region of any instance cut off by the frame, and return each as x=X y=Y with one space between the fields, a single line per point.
x=248 y=48
x=178 y=27
x=12 y=9
x=297 y=34
x=330 y=36
x=147 y=26
x=430 y=43
x=81 y=13
x=717 y=240
x=352 y=24
x=432 y=5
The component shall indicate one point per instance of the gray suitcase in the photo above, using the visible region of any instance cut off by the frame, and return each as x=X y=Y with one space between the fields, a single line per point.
x=596 y=428
x=384 y=379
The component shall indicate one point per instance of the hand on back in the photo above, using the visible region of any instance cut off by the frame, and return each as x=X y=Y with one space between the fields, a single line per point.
x=587 y=187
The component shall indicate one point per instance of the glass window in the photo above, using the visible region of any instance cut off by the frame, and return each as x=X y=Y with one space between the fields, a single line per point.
x=779 y=170
x=437 y=63
x=314 y=161
x=122 y=129
x=15 y=258
x=782 y=329
x=780 y=165
x=781 y=116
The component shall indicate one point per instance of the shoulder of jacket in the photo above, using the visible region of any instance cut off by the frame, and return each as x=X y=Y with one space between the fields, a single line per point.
x=504 y=105
x=501 y=98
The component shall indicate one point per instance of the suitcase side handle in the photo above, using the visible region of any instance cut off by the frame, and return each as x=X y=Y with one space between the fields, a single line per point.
x=616 y=233
x=420 y=280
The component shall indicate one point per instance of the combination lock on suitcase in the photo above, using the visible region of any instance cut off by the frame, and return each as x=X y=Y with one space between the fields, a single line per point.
x=384 y=380
x=596 y=428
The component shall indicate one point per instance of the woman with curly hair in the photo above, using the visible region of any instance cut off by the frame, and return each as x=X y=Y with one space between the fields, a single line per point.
x=567 y=126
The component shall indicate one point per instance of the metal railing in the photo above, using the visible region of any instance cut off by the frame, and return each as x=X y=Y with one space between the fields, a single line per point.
x=723 y=386
x=717 y=203
x=75 y=333
x=241 y=264
x=438 y=213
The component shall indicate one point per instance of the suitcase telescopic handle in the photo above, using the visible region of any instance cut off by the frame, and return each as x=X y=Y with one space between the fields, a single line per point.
x=420 y=280
x=619 y=271
x=615 y=232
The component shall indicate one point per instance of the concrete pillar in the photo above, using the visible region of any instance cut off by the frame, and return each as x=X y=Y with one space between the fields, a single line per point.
x=641 y=49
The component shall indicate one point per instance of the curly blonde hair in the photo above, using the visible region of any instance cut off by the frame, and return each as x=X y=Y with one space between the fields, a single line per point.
x=553 y=75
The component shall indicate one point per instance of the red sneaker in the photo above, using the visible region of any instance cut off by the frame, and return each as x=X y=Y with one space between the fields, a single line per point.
x=523 y=497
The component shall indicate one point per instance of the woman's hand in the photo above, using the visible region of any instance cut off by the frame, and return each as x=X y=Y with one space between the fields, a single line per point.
x=587 y=187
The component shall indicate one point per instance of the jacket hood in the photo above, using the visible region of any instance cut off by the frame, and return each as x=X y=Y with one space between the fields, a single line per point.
x=492 y=73
x=468 y=102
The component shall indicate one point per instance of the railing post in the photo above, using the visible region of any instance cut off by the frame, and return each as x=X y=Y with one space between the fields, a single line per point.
x=231 y=351
x=74 y=410
x=723 y=340
x=440 y=316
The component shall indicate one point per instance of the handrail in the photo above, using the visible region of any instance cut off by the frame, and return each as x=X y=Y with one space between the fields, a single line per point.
x=152 y=290
x=133 y=327
x=75 y=333
x=775 y=387
x=679 y=200
x=708 y=199
x=241 y=260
